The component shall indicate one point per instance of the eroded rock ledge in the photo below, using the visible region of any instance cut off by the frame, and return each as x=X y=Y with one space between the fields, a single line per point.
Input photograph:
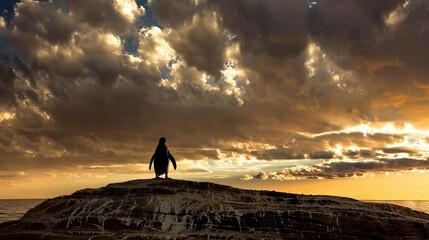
x=177 y=209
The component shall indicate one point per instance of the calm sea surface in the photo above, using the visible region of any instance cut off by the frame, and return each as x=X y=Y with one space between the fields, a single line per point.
x=15 y=209
x=420 y=205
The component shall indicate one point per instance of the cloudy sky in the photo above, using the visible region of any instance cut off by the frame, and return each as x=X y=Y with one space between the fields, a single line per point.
x=315 y=97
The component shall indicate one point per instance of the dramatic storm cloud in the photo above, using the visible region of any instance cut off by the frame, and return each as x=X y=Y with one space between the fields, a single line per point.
x=281 y=89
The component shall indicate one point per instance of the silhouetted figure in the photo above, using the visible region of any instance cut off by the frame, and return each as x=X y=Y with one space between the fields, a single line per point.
x=160 y=159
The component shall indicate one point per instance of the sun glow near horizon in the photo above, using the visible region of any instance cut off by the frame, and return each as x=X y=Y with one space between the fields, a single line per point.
x=291 y=175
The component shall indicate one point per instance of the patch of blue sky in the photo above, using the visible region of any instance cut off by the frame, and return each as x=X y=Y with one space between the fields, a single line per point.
x=7 y=9
x=131 y=43
x=166 y=70
x=148 y=19
x=210 y=80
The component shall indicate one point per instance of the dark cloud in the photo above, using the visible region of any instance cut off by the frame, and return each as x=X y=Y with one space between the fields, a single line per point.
x=279 y=153
x=270 y=28
x=378 y=40
x=7 y=88
x=257 y=79
x=110 y=15
x=207 y=51
x=400 y=150
x=348 y=22
x=274 y=27
x=174 y=13
x=44 y=20
x=344 y=169
x=322 y=155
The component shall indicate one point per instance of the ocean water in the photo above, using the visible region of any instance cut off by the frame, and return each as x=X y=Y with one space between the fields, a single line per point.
x=13 y=209
x=420 y=205
x=16 y=208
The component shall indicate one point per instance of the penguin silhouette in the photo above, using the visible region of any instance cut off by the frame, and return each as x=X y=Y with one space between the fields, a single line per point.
x=160 y=159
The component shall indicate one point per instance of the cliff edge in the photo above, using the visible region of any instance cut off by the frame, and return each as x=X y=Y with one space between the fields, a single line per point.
x=178 y=209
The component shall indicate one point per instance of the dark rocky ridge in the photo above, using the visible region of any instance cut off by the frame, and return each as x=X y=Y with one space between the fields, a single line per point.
x=177 y=209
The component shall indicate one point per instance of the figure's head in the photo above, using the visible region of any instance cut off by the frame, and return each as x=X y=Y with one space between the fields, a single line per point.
x=162 y=140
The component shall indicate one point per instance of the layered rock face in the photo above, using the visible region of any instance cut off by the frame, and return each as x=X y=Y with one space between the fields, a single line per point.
x=176 y=209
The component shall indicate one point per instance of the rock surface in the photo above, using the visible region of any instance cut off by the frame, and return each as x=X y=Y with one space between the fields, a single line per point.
x=176 y=209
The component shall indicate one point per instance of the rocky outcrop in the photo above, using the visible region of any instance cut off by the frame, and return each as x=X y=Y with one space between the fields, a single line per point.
x=176 y=209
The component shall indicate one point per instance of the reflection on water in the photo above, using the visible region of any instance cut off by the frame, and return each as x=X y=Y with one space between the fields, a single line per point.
x=13 y=209
x=420 y=205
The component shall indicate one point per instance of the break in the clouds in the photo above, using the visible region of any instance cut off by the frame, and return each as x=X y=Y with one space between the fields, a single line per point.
x=244 y=85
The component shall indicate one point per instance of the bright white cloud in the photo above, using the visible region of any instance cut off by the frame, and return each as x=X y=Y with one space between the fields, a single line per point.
x=2 y=24
x=247 y=177
x=398 y=15
x=5 y=116
x=154 y=46
x=129 y=9
x=320 y=67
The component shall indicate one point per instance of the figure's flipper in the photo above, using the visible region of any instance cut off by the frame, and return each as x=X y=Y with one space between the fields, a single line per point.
x=151 y=160
x=172 y=160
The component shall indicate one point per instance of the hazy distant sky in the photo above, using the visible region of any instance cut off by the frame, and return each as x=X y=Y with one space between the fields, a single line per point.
x=322 y=97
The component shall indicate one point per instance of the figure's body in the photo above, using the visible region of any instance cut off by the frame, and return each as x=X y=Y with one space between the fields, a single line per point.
x=160 y=159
